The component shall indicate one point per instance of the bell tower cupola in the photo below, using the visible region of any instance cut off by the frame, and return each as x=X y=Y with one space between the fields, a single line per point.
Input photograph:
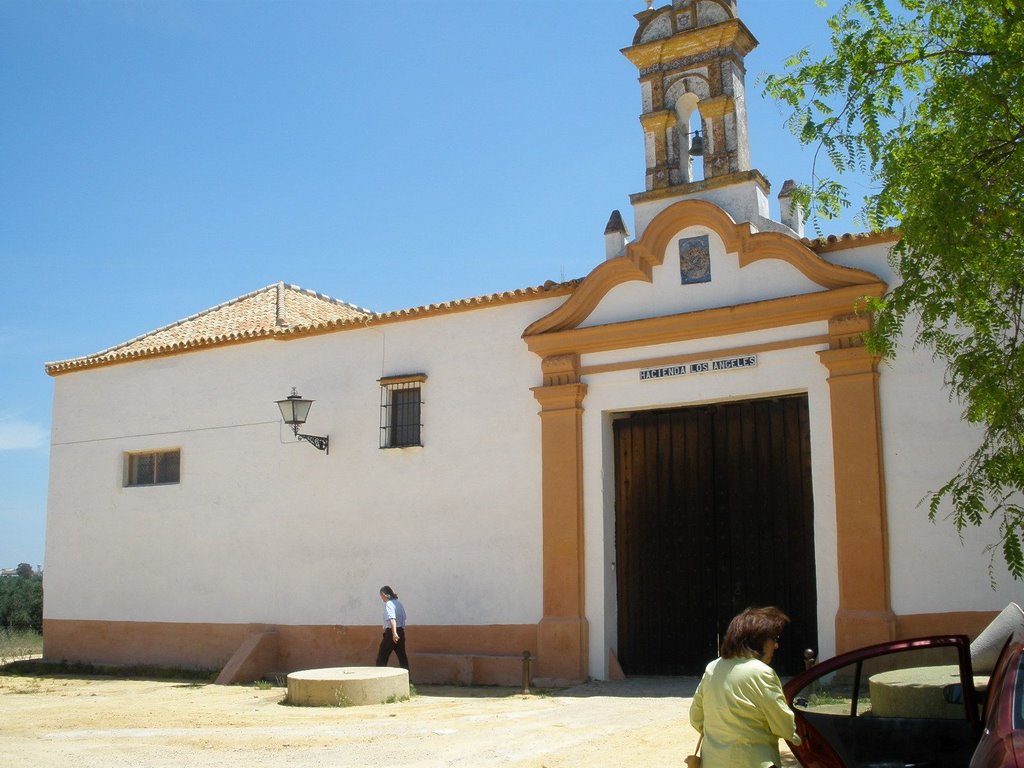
x=690 y=60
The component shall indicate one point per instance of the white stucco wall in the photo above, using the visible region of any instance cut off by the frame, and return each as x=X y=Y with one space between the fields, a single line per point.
x=924 y=442
x=264 y=529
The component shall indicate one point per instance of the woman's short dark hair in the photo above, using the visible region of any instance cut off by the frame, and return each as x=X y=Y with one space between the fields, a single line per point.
x=388 y=592
x=748 y=631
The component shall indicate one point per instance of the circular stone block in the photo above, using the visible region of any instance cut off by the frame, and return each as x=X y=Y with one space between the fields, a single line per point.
x=347 y=686
x=916 y=692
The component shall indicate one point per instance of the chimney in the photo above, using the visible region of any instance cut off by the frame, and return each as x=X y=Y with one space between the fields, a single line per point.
x=792 y=213
x=615 y=236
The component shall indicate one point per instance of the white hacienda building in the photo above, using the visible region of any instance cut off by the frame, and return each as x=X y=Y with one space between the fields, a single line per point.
x=600 y=472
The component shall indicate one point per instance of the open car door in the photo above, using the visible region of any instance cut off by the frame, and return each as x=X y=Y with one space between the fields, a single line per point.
x=904 y=704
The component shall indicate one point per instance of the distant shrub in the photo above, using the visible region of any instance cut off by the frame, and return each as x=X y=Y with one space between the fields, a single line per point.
x=21 y=603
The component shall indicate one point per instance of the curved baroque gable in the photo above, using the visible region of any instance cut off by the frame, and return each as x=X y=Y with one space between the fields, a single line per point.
x=649 y=251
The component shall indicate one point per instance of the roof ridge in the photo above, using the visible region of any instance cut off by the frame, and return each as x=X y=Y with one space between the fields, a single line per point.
x=325 y=297
x=280 y=316
x=182 y=321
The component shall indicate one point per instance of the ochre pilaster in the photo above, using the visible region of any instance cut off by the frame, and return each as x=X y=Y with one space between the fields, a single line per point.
x=865 y=614
x=562 y=633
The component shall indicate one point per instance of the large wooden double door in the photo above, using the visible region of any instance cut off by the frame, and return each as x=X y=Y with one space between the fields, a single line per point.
x=714 y=513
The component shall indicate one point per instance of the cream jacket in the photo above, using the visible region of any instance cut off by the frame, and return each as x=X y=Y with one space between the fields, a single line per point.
x=740 y=709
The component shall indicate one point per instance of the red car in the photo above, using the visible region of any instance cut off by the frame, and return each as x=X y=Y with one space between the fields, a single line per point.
x=1002 y=741
x=911 y=704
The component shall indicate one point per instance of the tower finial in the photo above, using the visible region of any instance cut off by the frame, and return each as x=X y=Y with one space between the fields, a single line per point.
x=649 y=4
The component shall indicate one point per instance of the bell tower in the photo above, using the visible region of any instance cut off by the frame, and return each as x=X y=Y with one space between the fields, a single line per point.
x=690 y=60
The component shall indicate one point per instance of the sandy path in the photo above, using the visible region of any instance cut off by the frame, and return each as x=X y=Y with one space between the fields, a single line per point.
x=105 y=723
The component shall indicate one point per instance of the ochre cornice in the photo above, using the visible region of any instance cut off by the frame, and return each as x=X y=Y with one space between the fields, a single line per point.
x=658 y=121
x=649 y=251
x=703 y=185
x=730 y=34
x=707 y=323
x=560 y=397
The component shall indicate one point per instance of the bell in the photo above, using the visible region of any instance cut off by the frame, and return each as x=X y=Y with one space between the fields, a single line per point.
x=697 y=145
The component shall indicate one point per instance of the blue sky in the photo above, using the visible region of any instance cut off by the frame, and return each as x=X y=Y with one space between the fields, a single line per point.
x=160 y=157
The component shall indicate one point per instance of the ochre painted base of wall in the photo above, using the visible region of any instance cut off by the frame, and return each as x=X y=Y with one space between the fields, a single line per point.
x=461 y=655
x=458 y=655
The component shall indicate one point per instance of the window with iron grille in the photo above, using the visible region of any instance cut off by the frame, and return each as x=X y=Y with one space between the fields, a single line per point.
x=152 y=468
x=401 y=410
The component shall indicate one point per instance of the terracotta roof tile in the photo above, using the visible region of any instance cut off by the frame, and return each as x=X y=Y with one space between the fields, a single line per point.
x=270 y=311
x=839 y=242
x=281 y=311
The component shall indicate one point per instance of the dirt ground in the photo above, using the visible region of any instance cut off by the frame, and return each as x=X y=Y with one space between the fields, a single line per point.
x=94 y=722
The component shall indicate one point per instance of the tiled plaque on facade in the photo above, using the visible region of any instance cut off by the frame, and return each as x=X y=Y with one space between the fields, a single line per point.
x=695 y=260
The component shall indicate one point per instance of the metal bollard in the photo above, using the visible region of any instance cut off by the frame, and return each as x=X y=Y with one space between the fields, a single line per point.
x=526 y=671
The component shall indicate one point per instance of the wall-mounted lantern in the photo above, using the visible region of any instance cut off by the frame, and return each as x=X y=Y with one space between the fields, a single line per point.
x=294 y=411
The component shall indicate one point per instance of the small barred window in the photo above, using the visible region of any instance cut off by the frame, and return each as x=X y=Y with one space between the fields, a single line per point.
x=401 y=410
x=153 y=468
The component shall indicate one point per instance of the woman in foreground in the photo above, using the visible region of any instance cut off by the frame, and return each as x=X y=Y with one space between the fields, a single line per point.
x=739 y=707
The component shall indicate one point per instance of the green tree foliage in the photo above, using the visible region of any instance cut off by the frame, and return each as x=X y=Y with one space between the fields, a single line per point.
x=927 y=97
x=21 y=603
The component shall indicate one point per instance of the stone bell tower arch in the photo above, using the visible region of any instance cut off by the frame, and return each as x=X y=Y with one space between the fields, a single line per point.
x=690 y=58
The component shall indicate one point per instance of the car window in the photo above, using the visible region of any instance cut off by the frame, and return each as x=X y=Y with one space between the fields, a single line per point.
x=920 y=682
x=902 y=707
